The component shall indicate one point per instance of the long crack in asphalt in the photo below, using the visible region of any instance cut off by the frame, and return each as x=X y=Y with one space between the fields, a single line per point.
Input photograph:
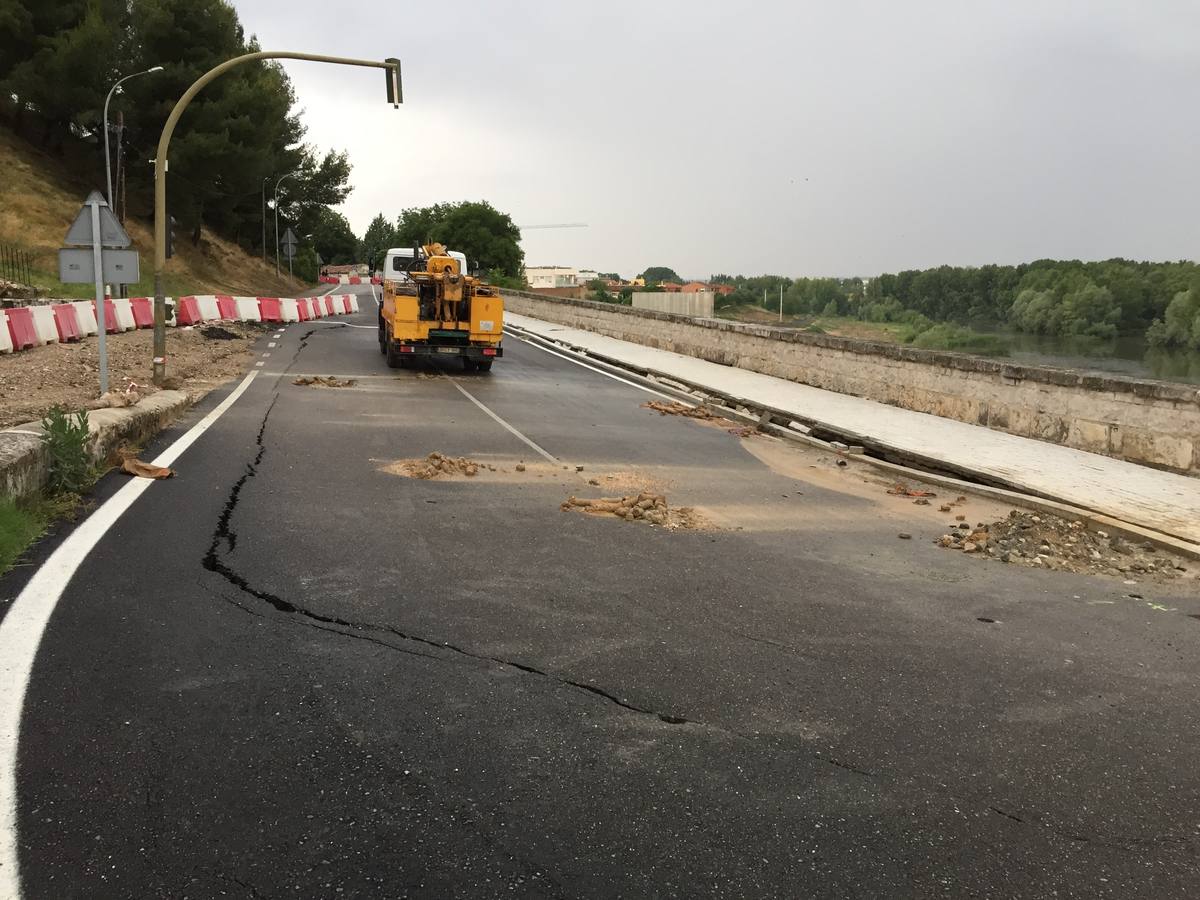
x=225 y=534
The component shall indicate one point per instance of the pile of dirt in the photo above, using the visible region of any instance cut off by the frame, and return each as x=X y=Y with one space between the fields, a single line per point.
x=438 y=465
x=33 y=381
x=1051 y=542
x=675 y=408
x=642 y=507
x=325 y=381
x=217 y=333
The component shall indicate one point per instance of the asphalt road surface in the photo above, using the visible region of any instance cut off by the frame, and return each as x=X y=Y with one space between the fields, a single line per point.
x=293 y=672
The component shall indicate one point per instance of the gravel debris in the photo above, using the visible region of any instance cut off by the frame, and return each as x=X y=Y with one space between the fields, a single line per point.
x=1050 y=542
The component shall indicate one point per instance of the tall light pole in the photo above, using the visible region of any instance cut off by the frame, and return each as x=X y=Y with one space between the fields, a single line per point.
x=107 y=157
x=281 y=177
x=395 y=96
x=266 y=178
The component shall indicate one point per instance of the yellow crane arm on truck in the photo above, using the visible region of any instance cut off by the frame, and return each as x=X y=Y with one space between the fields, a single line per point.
x=431 y=308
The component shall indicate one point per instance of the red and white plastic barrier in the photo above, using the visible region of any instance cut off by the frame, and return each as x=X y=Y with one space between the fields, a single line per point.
x=124 y=308
x=85 y=316
x=43 y=324
x=25 y=327
x=66 y=322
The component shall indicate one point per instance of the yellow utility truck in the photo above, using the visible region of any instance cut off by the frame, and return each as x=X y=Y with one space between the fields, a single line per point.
x=431 y=308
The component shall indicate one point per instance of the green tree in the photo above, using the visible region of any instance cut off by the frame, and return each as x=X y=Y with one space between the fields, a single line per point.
x=333 y=238
x=69 y=51
x=1181 y=325
x=658 y=274
x=305 y=265
x=487 y=236
x=379 y=237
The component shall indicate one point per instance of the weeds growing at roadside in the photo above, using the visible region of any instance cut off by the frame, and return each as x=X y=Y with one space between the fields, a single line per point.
x=19 y=527
x=66 y=439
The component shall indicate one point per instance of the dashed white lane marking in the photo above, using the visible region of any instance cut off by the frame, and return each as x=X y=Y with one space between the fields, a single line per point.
x=260 y=363
x=272 y=344
x=22 y=629
x=514 y=431
x=266 y=355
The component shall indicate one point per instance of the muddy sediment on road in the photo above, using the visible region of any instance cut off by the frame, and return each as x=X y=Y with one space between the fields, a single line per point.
x=645 y=507
x=324 y=381
x=437 y=465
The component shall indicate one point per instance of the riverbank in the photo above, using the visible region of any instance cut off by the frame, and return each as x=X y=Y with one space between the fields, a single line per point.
x=1128 y=355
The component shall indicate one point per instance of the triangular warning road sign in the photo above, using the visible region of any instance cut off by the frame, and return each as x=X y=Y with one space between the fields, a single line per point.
x=289 y=238
x=111 y=232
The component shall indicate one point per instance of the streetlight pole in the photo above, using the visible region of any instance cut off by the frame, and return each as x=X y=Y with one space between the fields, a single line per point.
x=107 y=157
x=394 y=96
x=266 y=178
x=277 y=183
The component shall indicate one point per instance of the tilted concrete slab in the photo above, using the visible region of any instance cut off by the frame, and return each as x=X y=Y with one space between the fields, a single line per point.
x=1151 y=498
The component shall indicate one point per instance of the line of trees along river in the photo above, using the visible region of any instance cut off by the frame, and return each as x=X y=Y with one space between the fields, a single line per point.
x=1138 y=318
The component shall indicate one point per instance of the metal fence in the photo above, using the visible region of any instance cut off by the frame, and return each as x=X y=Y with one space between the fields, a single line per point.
x=15 y=265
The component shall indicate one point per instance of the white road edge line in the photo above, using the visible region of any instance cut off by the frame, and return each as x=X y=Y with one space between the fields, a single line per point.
x=22 y=629
x=633 y=384
x=514 y=431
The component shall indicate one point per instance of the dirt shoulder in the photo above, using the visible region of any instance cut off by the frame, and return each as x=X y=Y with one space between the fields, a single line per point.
x=198 y=359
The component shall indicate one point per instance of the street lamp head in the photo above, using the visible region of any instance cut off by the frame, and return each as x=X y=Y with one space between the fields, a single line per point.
x=155 y=69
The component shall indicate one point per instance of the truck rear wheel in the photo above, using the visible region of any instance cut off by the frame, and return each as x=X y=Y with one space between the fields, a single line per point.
x=469 y=365
x=484 y=365
x=394 y=359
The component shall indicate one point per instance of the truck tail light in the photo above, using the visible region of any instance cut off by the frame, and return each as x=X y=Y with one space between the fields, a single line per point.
x=405 y=348
x=489 y=351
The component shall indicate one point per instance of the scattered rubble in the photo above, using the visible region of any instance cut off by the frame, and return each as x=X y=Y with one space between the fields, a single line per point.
x=901 y=489
x=675 y=408
x=438 y=465
x=116 y=399
x=325 y=381
x=1050 y=542
x=645 y=506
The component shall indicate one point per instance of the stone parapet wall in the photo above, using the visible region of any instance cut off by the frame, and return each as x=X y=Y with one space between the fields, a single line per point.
x=1151 y=422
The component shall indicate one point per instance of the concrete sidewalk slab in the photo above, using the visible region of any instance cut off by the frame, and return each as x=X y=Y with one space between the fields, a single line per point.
x=1150 y=498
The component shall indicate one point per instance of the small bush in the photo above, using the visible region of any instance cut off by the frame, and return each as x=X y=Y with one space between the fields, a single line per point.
x=952 y=337
x=66 y=440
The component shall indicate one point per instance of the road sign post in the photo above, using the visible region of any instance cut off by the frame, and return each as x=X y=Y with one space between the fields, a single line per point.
x=288 y=243
x=84 y=260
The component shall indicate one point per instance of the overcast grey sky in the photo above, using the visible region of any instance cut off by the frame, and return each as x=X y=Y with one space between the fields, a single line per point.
x=796 y=138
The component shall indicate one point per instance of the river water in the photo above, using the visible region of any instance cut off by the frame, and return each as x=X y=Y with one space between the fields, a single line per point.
x=1128 y=355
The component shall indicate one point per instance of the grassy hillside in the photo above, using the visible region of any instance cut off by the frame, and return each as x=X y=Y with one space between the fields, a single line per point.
x=39 y=198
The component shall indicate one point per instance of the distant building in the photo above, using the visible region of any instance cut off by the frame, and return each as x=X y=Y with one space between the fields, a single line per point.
x=586 y=276
x=551 y=276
